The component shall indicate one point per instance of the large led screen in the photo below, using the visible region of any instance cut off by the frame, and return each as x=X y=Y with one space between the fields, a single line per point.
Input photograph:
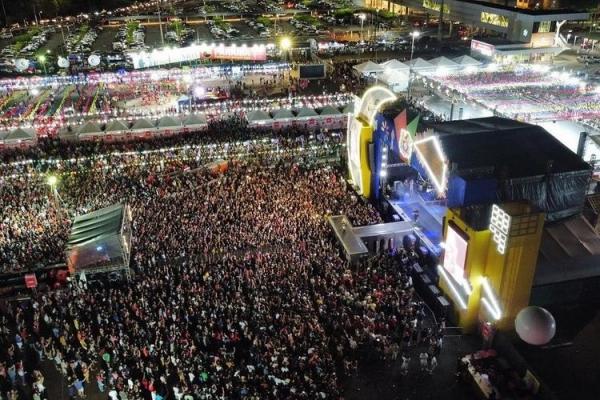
x=455 y=255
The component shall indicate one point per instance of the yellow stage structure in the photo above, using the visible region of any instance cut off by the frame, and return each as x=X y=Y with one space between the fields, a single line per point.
x=360 y=135
x=489 y=261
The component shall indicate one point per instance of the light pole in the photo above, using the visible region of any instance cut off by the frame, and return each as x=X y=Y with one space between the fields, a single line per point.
x=162 y=38
x=4 y=12
x=42 y=60
x=362 y=18
x=286 y=45
x=414 y=35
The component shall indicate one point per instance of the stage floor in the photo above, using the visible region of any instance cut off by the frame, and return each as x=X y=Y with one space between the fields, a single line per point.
x=430 y=216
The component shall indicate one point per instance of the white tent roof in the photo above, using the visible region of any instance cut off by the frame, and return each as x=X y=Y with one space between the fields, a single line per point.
x=142 y=124
x=420 y=64
x=257 y=115
x=168 y=122
x=368 y=67
x=394 y=65
x=394 y=77
x=116 y=126
x=89 y=128
x=466 y=61
x=20 y=134
x=306 y=112
x=195 y=119
x=329 y=110
x=283 y=114
x=443 y=62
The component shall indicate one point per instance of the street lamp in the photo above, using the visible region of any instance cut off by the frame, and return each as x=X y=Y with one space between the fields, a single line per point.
x=414 y=35
x=362 y=18
x=285 y=45
x=52 y=181
x=42 y=60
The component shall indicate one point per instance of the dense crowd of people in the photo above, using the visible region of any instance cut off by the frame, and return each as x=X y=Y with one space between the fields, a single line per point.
x=239 y=289
x=33 y=232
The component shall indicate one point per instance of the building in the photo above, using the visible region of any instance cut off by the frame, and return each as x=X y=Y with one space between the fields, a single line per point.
x=515 y=24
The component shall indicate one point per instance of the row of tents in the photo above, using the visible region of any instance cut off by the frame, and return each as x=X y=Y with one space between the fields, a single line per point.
x=19 y=137
x=328 y=117
x=395 y=73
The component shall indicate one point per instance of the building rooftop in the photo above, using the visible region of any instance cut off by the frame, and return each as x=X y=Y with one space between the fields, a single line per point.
x=514 y=149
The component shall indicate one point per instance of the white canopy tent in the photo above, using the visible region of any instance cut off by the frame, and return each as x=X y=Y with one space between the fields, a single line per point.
x=89 y=129
x=143 y=125
x=20 y=135
x=282 y=114
x=257 y=117
x=368 y=68
x=329 y=110
x=467 y=61
x=167 y=122
x=444 y=64
x=195 y=121
x=116 y=127
x=421 y=66
x=396 y=80
x=394 y=65
x=305 y=112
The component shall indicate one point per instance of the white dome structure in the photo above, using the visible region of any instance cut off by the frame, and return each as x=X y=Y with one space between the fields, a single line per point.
x=535 y=325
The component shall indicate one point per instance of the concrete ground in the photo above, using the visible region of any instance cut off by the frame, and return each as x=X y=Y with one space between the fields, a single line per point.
x=383 y=381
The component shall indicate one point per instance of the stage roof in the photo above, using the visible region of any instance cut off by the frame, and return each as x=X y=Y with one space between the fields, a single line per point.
x=523 y=149
x=96 y=225
x=570 y=250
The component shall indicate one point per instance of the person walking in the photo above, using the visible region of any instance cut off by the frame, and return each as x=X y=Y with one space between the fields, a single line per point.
x=404 y=366
x=424 y=358
x=432 y=365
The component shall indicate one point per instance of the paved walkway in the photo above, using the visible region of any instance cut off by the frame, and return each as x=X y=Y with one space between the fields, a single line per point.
x=383 y=381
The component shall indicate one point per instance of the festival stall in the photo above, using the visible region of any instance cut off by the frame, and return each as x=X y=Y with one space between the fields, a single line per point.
x=20 y=137
x=143 y=127
x=194 y=122
x=307 y=117
x=394 y=65
x=467 y=61
x=89 y=131
x=282 y=118
x=258 y=118
x=444 y=65
x=368 y=68
x=168 y=126
x=332 y=118
x=421 y=66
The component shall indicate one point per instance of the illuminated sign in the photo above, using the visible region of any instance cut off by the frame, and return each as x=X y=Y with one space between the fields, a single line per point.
x=483 y=48
x=195 y=52
x=435 y=6
x=372 y=100
x=405 y=144
x=494 y=19
x=455 y=255
x=435 y=162
x=500 y=227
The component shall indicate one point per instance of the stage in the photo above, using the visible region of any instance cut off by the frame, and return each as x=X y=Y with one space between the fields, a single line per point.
x=409 y=204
